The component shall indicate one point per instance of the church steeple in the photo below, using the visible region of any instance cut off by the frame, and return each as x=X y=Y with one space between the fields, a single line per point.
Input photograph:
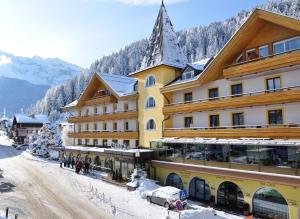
x=163 y=47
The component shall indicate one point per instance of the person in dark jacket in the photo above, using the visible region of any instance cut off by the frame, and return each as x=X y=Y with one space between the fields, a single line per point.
x=78 y=166
x=72 y=163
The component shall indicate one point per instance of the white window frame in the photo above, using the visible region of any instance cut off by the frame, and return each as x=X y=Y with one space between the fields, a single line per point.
x=147 y=83
x=146 y=104
x=191 y=72
x=265 y=46
x=247 y=51
x=284 y=46
x=240 y=56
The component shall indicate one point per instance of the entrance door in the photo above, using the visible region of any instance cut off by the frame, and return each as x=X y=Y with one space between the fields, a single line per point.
x=230 y=196
x=199 y=190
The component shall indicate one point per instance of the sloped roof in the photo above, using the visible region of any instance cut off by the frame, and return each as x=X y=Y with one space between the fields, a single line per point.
x=245 y=33
x=163 y=47
x=31 y=118
x=121 y=85
x=72 y=104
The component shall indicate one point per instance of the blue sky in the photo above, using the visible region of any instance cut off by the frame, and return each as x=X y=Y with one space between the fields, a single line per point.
x=80 y=31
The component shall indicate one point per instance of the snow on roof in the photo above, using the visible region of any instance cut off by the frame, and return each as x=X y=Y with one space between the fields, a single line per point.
x=72 y=104
x=241 y=141
x=199 y=65
x=86 y=149
x=122 y=85
x=163 y=47
x=132 y=150
x=32 y=118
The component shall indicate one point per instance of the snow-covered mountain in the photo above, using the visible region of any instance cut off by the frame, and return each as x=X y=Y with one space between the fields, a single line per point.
x=197 y=43
x=37 y=70
x=17 y=94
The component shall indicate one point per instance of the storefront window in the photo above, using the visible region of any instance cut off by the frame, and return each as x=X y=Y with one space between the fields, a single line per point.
x=219 y=153
x=195 y=152
x=244 y=154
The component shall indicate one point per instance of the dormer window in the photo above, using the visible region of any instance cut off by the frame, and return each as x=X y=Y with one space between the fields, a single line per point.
x=239 y=59
x=187 y=75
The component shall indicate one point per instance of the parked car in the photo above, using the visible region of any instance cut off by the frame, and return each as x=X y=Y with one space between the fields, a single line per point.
x=22 y=147
x=166 y=196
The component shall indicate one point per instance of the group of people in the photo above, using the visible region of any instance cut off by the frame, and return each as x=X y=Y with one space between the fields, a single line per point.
x=79 y=165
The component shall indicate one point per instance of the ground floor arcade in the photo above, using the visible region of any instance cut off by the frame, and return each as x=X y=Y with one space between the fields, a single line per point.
x=265 y=195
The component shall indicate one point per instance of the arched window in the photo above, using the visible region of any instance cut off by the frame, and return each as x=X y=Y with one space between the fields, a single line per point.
x=268 y=201
x=151 y=124
x=150 y=81
x=174 y=180
x=230 y=196
x=150 y=102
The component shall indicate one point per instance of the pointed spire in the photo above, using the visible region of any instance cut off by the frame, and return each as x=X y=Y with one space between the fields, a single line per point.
x=163 y=47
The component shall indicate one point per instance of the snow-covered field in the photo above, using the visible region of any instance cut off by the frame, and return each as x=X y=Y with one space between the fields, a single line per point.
x=43 y=190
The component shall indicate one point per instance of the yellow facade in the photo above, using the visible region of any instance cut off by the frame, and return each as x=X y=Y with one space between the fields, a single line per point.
x=248 y=187
x=163 y=75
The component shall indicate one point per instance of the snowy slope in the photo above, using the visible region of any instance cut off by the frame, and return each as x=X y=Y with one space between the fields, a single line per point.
x=37 y=70
x=16 y=94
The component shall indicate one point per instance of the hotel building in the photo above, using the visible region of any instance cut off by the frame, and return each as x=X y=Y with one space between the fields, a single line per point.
x=226 y=129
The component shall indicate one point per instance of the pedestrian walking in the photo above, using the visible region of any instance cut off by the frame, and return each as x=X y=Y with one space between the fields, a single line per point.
x=72 y=163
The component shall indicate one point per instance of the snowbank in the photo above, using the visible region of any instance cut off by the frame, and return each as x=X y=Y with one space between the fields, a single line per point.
x=203 y=213
x=145 y=186
x=4 y=140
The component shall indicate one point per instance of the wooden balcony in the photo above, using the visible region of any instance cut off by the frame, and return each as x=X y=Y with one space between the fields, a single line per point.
x=103 y=117
x=278 y=96
x=262 y=64
x=275 y=132
x=100 y=100
x=105 y=134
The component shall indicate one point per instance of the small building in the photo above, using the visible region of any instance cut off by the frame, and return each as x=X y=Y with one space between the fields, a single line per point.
x=25 y=125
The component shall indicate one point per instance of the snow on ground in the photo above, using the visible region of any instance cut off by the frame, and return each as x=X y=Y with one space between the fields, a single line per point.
x=4 y=140
x=61 y=191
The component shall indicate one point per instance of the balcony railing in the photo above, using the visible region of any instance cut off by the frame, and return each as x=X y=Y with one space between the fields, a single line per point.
x=261 y=58
x=266 y=97
x=284 y=131
x=275 y=61
x=128 y=114
x=120 y=134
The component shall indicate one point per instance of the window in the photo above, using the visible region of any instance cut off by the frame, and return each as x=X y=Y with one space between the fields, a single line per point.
x=151 y=124
x=239 y=59
x=238 y=119
x=275 y=117
x=137 y=143
x=286 y=45
x=263 y=51
x=236 y=90
x=150 y=102
x=87 y=112
x=104 y=126
x=126 y=143
x=79 y=127
x=188 y=97
x=213 y=93
x=87 y=141
x=79 y=142
x=114 y=142
x=273 y=84
x=126 y=107
x=79 y=112
x=104 y=142
x=214 y=121
x=95 y=127
x=95 y=110
x=104 y=109
x=188 y=122
x=115 y=107
x=115 y=126
x=126 y=126
x=251 y=54
x=150 y=81
x=95 y=142
x=187 y=75
x=87 y=127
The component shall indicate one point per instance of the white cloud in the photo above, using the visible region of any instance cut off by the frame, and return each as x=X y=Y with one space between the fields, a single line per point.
x=5 y=60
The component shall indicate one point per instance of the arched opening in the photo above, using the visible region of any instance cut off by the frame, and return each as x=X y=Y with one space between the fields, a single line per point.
x=269 y=203
x=150 y=81
x=150 y=103
x=97 y=161
x=199 y=190
x=174 y=180
x=151 y=125
x=109 y=164
x=230 y=196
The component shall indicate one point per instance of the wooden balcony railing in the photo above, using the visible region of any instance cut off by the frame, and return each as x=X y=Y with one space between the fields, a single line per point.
x=284 y=131
x=132 y=114
x=266 y=97
x=105 y=134
x=100 y=100
x=273 y=61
